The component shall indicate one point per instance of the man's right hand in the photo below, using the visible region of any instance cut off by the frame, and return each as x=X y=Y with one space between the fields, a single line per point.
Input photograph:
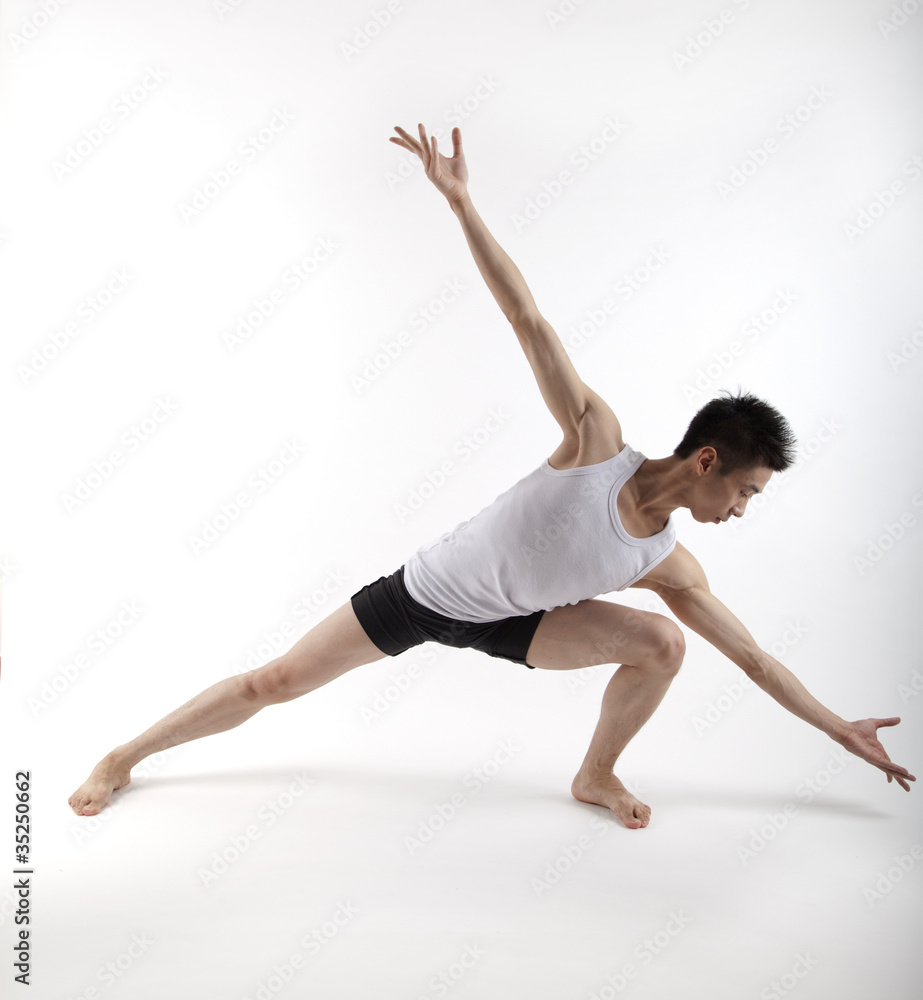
x=449 y=175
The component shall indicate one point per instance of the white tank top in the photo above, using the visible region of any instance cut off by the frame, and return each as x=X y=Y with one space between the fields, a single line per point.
x=554 y=538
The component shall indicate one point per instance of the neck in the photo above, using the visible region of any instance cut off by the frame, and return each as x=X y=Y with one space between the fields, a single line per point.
x=662 y=486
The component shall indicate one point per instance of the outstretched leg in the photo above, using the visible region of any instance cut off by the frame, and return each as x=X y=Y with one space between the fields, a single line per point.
x=332 y=647
x=650 y=649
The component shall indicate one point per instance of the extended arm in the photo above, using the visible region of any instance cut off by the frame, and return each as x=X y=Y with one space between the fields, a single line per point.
x=698 y=608
x=565 y=394
x=450 y=176
x=686 y=593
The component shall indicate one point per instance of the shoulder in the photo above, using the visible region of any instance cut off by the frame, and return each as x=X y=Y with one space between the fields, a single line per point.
x=600 y=423
x=597 y=437
x=680 y=570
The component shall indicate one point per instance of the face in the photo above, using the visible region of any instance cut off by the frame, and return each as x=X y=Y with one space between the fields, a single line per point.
x=719 y=498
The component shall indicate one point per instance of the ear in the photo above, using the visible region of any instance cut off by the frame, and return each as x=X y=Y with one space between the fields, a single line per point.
x=706 y=460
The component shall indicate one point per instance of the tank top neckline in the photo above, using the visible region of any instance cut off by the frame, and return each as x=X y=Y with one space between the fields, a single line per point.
x=633 y=461
x=636 y=462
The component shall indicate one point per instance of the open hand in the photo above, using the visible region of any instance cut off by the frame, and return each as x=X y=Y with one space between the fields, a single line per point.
x=863 y=742
x=449 y=175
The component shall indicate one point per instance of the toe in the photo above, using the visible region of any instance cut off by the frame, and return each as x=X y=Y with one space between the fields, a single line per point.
x=627 y=815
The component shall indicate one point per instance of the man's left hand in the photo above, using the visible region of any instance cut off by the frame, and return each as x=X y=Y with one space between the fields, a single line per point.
x=861 y=739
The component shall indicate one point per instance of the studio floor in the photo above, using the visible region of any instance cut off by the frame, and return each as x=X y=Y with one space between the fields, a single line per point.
x=410 y=855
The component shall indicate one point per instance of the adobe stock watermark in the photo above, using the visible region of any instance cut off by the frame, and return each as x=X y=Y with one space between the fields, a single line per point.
x=88 y=309
x=910 y=346
x=440 y=984
x=420 y=319
x=311 y=945
x=474 y=781
x=220 y=179
x=750 y=333
x=229 y=512
x=7 y=569
x=806 y=451
x=563 y=11
x=606 y=653
x=644 y=954
x=116 y=968
x=268 y=814
x=570 y=855
x=276 y=640
x=733 y=693
x=9 y=904
x=559 y=522
x=224 y=7
x=464 y=449
x=95 y=645
x=913 y=686
x=712 y=29
x=577 y=680
x=32 y=25
x=459 y=112
x=398 y=685
x=757 y=157
x=887 y=879
x=626 y=287
x=898 y=16
x=884 y=199
x=557 y=527
x=141 y=773
x=583 y=157
x=892 y=532
x=778 y=821
x=129 y=443
x=264 y=307
x=804 y=963
x=377 y=21
x=119 y=110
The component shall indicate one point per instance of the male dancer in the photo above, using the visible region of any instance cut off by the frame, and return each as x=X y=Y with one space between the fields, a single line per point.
x=517 y=581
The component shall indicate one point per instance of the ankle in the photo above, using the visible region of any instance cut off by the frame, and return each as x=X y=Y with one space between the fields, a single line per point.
x=120 y=757
x=594 y=773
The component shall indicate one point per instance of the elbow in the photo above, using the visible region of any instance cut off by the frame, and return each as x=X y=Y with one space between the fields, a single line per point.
x=526 y=321
x=757 y=666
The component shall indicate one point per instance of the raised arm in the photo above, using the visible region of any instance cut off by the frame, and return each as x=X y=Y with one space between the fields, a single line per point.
x=683 y=586
x=570 y=401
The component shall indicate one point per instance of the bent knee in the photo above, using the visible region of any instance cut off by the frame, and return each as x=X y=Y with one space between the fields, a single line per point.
x=668 y=645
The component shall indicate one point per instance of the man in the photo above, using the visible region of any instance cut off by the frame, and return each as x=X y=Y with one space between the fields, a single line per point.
x=517 y=581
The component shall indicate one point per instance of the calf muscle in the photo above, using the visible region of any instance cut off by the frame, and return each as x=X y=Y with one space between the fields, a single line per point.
x=332 y=647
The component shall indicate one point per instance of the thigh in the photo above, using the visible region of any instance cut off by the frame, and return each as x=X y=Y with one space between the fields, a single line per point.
x=333 y=646
x=594 y=632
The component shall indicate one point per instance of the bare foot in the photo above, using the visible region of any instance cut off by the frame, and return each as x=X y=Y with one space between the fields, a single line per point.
x=608 y=791
x=93 y=795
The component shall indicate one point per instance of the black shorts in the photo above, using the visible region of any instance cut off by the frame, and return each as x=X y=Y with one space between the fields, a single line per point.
x=394 y=621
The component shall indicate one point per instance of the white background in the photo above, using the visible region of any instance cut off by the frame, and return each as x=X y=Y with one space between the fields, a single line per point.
x=824 y=571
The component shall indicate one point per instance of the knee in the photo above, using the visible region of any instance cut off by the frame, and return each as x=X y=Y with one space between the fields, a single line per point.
x=668 y=646
x=271 y=683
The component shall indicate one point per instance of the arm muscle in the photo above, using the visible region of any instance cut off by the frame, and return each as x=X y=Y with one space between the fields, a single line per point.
x=568 y=398
x=695 y=605
x=570 y=401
